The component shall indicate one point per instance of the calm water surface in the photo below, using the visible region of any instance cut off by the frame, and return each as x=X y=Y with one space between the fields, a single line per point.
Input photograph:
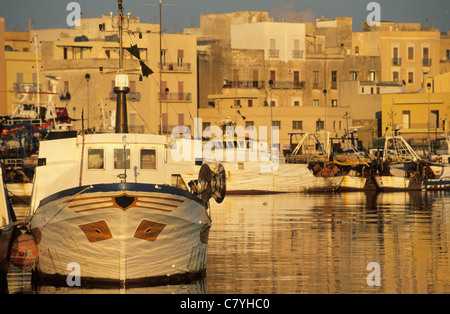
x=317 y=243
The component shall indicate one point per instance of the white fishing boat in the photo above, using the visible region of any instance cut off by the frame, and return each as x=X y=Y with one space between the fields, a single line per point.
x=21 y=133
x=254 y=168
x=6 y=227
x=127 y=222
x=115 y=208
x=355 y=164
x=403 y=169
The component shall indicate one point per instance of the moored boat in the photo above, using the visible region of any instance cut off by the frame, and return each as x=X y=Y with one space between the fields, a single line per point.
x=403 y=169
x=114 y=208
x=252 y=169
x=6 y=227
x=124 y=222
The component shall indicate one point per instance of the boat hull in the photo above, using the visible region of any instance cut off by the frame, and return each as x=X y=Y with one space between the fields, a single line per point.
x=264 y=178
x=393 y=183
x=350 y=183
x=124 y=234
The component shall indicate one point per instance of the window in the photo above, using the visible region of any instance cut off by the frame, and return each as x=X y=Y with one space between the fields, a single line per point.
x=315 y=102
x=372 y=76
x=297 y=125
x=356 y=50
x=434 y=119
x=19 y=77
x=236 y=78
x=333 y=76
x=333 y=79
x=316 y=77
x=334 y=103
x=410 y=53
x=406 y=119
x=132 y=86
x=96 y=159
x=250 y=103
x=276 y=124
x=273 y=76
x=180 y=58
x=395 y=76
x=249 y=124
x=320 y=125
x=296 y=103
x=354 y=75
x=206 y=125
x=410 y=77
x=148 y=159
x=119 y=158
x=448 y=54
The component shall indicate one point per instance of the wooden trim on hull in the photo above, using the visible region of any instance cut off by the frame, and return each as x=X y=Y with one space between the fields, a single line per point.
x=56 y=280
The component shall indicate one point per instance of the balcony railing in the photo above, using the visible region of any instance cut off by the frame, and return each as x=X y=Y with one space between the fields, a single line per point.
x=243 y=84
x=274 y=53
x=426 y=62
x=396 y=61
x=289 y=84
x=175 y=97
x=135 y=96
x=297 y=54
x=170 y=67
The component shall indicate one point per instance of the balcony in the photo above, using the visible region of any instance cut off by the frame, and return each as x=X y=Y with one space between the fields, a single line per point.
x=297 y=54
x=396 y=61
x=274 y=53
x=243 y=84
x=426 y=62
x=288 y=85
x=134 y=96
x=175 y=68
x=175 y=97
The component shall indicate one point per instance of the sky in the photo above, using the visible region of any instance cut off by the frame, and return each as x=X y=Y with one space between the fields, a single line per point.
x=181 y=14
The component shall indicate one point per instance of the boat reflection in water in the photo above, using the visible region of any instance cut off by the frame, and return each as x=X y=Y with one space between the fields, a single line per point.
x=323 y=243
x=319 y=243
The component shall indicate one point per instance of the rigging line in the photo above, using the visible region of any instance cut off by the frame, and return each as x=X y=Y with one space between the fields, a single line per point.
x=176 y=76
x=146 y=125
x=83 y=79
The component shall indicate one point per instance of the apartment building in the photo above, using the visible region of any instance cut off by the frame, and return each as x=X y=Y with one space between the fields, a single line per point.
x=87 y=67
x=419 y=115
x=281 y=74
x=408 y=52
x=17 y=66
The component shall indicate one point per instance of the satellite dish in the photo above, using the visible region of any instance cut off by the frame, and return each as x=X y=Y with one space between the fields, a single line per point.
x=210 y=184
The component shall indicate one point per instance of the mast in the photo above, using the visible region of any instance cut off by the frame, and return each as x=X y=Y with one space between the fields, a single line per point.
x=161 y=68
x=122 y=86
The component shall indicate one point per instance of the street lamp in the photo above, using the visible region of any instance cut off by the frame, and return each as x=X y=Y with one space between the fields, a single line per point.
x=167 y=108
x=270 y=103
x=88 y=78
x=429 y=143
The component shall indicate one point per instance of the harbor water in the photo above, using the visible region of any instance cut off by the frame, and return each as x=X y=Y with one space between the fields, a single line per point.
x=328 y=243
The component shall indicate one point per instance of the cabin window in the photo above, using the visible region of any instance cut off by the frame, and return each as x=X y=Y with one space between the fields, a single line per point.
x=96 y=159
x=148 y=159
x=119 y=158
